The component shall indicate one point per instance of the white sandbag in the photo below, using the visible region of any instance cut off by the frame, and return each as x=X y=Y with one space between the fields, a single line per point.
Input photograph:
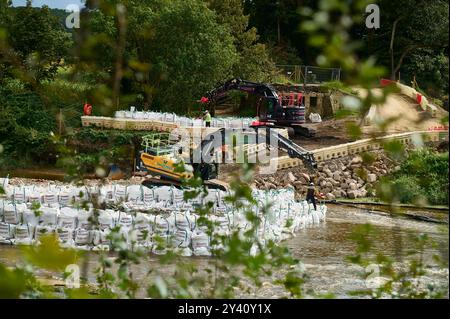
x=211 y=197
x=49 y=215
x=12 y=213
x=125 y=220
x=105 y=219
x=65 y=236
x=50 y=198
x=67 y=218
x=134 y=193
x=182 y=238
x=163 y=193
x=315 y=117
x=177 y=196
x=100 y=237
x=182 y=222
x=120 y=193
x=65 y=197
x=31 y=217
x=19 y=195
x=161 y=225
x=82 y=237
x=6 y=232
x=84 y=219
x=41 y=230
x=34 y=196
x=148 y=194
x=22 y=235
x=200 y=244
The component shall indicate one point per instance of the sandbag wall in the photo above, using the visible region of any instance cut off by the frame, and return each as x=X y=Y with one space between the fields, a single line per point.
x=154 y=219
x=183 y=121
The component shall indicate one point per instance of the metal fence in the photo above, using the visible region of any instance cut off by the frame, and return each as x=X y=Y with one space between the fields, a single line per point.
x=305 y=74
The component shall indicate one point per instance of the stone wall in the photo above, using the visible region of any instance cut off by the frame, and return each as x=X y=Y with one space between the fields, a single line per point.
x=345 y=177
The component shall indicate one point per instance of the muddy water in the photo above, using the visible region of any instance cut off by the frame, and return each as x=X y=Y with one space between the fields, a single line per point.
x=322 y=250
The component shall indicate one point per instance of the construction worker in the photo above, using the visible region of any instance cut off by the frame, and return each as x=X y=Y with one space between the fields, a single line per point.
x=311 y=195
x=207 y=118
x=87 y=109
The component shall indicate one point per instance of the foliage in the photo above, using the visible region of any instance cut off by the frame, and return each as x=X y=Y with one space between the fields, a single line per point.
x=420 y=177
x=253 y=60
x=37 y=44
x=25 y=128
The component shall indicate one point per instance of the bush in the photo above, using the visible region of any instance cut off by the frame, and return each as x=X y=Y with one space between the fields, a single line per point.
x=423 y=174
x=407 y=189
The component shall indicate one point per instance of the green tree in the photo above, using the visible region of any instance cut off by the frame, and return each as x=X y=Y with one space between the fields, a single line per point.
x=254 y=62
x=175 y=50
x=410 y=28
x=38 y=42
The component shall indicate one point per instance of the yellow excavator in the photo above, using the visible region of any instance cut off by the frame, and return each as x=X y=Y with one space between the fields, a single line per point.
x=161 y=156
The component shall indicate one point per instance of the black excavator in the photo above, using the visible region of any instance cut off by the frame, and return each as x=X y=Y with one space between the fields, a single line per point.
x=163 y=164
x=271 y=108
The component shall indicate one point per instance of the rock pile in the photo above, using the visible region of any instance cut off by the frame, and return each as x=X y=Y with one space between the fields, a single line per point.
x=346 y=177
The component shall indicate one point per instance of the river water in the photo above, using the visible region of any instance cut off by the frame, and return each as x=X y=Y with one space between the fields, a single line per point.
x=322 y=250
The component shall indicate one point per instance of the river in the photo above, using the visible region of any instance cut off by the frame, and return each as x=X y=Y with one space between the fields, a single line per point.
x=323 y=250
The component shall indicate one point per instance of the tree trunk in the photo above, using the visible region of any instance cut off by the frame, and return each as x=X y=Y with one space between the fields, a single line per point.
x=391 y=48
x=278 y=30
x=122 y=29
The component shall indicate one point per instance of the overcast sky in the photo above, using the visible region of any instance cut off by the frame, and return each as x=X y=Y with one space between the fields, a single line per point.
x=60 y=4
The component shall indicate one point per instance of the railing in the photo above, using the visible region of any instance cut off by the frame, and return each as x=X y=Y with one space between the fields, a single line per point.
x=306 y=74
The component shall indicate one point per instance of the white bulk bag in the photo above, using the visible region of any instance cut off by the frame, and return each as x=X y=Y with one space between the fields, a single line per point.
x=67 y=218
x=125 y=220
x=177 y=196
x=12 y=213
x=50 y=197
x=6 y=232
x=22 y=235
x=182 y=238
x=19 y=195
x=142 y=228
x=100 y=237
x=148 y=194
x=65 y=236
x=163 y=194
x=315 y=117
x=42 y=231
x=161 y=225
x=34 y=196
x=134 y=193
x=105 y=219
x=120 y=193
x=31 y=217
x=49 y=215
x=84 y=219
x=64 y=197
x=200 y=243
x=82 y=237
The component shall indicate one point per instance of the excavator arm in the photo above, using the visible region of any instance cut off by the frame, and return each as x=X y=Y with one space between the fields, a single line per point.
x=220 y=93
x=269 y=137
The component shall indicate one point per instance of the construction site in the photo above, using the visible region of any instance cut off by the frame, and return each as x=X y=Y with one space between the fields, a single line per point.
x=184 y=162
